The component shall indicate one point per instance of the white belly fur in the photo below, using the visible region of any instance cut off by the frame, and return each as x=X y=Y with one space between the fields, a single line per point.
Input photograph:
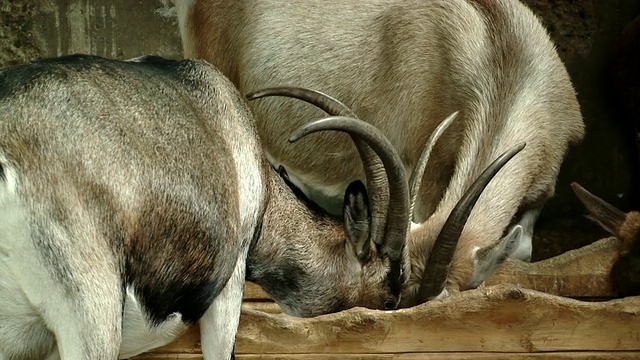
x=137 y=334
x=23 y=333
x=21 y=327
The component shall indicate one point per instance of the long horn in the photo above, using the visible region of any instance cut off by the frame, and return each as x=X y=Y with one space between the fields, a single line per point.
x=398 y=210
x=374 y=171
x=437 y=268
x=418 y=172
x=600 y=211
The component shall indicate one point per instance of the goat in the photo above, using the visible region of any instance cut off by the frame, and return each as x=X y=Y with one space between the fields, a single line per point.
x=402 y=66
x=135 y=199
x=625 y=272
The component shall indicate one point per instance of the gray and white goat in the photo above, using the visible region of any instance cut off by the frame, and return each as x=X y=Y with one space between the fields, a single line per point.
x=135 y=198
x=402 y=66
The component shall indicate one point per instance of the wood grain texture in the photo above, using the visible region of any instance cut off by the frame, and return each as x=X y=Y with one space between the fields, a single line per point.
x=253 y=291
x=496 y=319
x=525 y=311
x=627 y=355
x=579 y=273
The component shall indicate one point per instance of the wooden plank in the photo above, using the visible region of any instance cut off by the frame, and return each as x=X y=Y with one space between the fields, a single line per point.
x=501 y=319
x=268 y=307
x=627 y=355
x=580 y=273
x=253 y=291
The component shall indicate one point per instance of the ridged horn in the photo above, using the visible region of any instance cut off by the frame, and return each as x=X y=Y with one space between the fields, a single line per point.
x=398 y=210
x=418 y=172
x=437 y=268
x=377 y=187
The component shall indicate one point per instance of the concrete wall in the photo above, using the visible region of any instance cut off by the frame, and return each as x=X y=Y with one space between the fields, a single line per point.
x=584 y=31
x=119 y=29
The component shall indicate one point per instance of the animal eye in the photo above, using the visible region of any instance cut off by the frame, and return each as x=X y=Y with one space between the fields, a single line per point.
x=390 y=305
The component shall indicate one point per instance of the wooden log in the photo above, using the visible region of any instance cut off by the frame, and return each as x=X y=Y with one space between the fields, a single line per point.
x=253 y=292
x=496 y=319
x=571 y=355
x=579 y=273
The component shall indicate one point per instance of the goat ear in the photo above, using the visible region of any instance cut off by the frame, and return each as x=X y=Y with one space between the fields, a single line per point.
x=603 y=213
x=357 y=220
x=487 y=260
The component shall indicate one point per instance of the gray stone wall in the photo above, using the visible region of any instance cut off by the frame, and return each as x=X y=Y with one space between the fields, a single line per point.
x=583 y=30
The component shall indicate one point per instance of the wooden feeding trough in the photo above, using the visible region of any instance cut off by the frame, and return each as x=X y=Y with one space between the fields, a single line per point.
x=560 y=308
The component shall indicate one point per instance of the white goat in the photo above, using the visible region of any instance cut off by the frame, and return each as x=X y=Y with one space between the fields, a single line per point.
x=402 y=66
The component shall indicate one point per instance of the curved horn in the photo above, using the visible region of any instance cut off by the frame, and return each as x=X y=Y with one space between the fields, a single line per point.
x=374 y=171
x=418 y=172
x=436 y=270
x=606 y=215
x=398 y=210
x=325 y=102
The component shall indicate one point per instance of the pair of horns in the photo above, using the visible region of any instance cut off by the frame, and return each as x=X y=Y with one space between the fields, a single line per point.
x=385 y=174
x=374 y=148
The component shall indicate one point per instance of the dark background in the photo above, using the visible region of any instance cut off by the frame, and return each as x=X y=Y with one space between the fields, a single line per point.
x=585 y=33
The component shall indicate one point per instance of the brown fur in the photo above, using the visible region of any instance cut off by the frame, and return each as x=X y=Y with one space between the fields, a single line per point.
x=625 y=272
x=629 y=232
x=326 y=276
x=403 y=66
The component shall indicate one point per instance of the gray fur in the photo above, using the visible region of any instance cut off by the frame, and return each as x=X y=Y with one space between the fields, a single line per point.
x=131 y=194
x=127 y=179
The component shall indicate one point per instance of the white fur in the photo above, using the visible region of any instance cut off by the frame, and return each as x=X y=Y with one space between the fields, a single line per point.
x=20 y=326
x=182 y=9
x=138 y=335
x=525 y=246
x=486 y=264
x=35 y=307
x=219 y=325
